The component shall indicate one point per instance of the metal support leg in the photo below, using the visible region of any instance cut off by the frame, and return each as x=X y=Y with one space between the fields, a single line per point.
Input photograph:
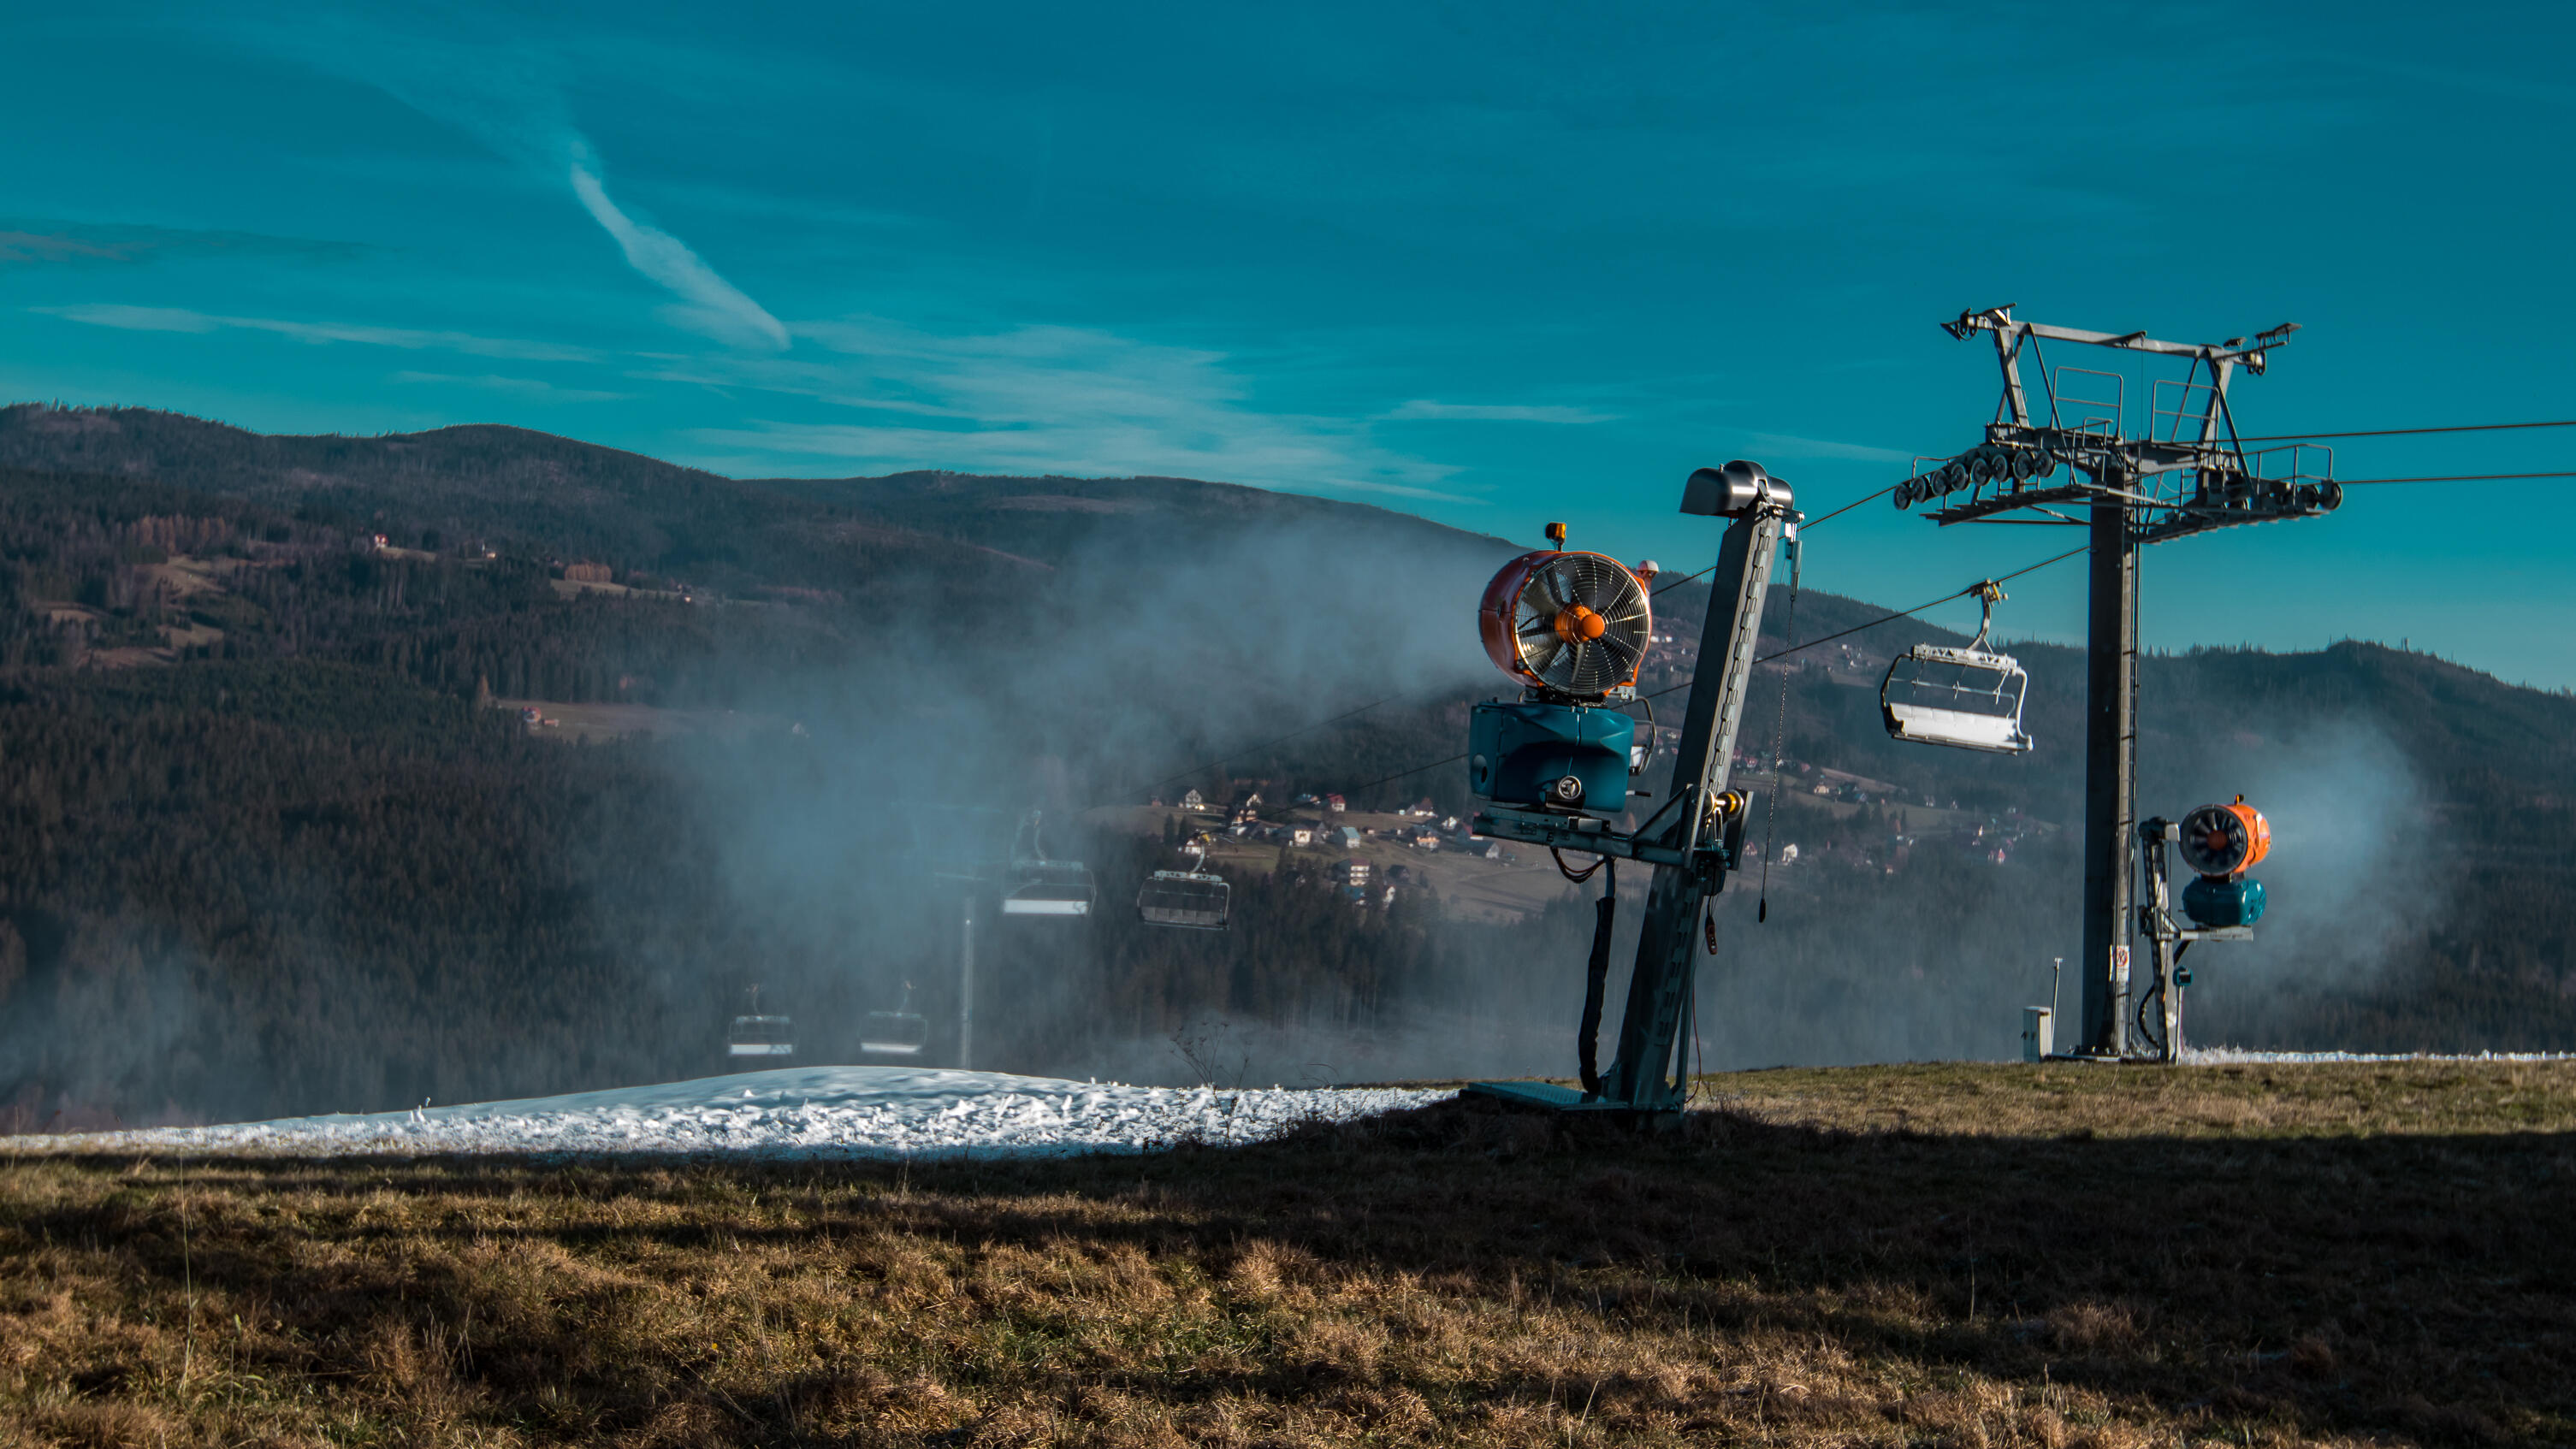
x=2110 y=781
x=1668 y=948
x=966 y=987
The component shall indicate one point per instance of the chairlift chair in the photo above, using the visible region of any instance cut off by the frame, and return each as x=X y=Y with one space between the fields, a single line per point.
x=1193 y=900
x=766 y=1039
x=1967 y=698
x=1042 y=887
x=902 y=1032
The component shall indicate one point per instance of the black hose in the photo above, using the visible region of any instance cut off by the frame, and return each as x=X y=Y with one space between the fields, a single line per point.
x=1596 y=980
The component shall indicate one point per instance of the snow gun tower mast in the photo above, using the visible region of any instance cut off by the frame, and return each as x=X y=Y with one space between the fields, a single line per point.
x=2186 y=473
x=1572 y=627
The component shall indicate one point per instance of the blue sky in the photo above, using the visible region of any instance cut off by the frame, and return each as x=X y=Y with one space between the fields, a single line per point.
x=1495 y=264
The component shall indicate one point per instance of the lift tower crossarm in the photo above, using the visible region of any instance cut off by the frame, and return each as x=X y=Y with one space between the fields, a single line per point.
x=1999 y=320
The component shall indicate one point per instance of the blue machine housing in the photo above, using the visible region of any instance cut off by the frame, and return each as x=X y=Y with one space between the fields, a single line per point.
x=1518 y=753
x=2223 y=901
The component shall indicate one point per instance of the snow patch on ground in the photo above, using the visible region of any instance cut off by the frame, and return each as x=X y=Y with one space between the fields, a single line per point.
x=801 y=1112
x=2226 y=1056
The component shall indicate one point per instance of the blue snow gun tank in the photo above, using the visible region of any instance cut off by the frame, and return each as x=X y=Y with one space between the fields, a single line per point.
x=2217 y=901
x=1573 y=629
x=1538 y=755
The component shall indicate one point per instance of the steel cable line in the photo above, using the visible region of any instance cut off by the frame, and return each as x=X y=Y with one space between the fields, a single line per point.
x=1795 y=648
x=1848 y=507
x=1372 y=704
x=1810 y=523
x=1658 y=694
x=1263 y=745
x=1775 y=654
x=1887 y=618
x=2406 y=432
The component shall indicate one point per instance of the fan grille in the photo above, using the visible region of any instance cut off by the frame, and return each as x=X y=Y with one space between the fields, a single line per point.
x=1579 y=622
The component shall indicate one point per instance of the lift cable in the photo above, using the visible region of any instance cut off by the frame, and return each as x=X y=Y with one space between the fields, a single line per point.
x=1677 y=583
x=1848 y=507
x=1779 y=732
x=1890 y=618
x=1263 y=745
x=2406 y=432
x=1660 y=693
x=1179 y=775
x=1810 y=523
x=1775 y=654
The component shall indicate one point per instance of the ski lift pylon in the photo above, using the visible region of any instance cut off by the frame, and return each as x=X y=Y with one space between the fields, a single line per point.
x=1193 y=900
x=1967 y=698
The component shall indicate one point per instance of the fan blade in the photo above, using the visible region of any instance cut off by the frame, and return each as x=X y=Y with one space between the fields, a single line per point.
x=1584 y=582
x=1556 y=591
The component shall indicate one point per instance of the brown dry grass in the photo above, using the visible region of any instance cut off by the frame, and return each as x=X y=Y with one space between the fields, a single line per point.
x=2024 y=1256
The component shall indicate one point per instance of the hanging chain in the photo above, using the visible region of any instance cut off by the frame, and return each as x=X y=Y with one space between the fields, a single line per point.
x=1779 y=735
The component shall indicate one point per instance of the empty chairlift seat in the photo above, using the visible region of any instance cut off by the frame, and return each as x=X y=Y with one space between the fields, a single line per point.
x=755 y=1039
x=1962 y=697
x=1037 y=886
x=902 y=1032
x=1193 y=900
x=1048 y=888
x=1969 y=698
x=768 y=1041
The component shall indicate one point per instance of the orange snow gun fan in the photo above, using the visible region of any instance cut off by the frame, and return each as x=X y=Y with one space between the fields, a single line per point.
x=1572 y=629
x=2220 y=843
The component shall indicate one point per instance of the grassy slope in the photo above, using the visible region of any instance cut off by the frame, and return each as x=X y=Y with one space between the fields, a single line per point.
x=1959 y=1255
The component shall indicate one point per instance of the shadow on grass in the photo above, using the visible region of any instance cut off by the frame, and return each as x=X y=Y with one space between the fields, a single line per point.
x=2423 y=1285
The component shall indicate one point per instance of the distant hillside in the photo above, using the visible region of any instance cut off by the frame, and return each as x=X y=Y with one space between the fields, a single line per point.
x=259 y=852
x=527 y=492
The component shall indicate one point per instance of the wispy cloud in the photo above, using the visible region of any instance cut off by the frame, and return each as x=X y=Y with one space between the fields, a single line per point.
x=2483 y=83
x=182 y=319
x=1425 y=410
x=523 y=386
x=1046 y=399
x=510 y=97
x=25 y=240
x=1784 y=445
x=713 y=305
x=28 y=246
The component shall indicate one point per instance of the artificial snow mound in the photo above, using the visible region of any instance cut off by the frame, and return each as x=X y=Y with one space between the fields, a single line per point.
x=804 y=1112
x=2228 y=1056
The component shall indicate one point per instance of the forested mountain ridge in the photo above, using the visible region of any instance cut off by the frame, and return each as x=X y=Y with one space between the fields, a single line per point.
x=263 y=853
x=537 y=494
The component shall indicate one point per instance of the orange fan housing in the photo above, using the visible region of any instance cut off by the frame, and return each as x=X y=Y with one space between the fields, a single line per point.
x=1567 y=620
x=2223 y=840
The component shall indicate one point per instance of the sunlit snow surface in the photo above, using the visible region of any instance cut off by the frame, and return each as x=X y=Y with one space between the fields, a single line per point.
x=2225 y=1056
x=803 y=1112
